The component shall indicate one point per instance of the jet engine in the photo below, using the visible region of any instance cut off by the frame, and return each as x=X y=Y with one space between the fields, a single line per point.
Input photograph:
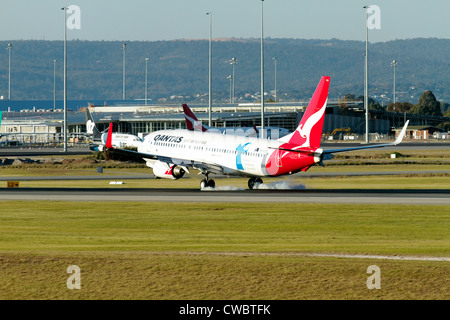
x=167 y=171
x=319 y=156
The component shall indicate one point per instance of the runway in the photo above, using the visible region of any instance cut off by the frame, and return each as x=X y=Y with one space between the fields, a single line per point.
x=350 y=196
x=223 y=193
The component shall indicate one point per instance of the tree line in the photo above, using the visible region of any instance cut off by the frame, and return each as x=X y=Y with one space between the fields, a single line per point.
x=427 y=105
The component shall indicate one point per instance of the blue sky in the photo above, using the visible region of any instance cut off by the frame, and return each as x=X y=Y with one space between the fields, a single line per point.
x=187 y=19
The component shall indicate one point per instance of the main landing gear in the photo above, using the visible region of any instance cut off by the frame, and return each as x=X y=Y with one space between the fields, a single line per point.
x=253 y=182
x=207 y=182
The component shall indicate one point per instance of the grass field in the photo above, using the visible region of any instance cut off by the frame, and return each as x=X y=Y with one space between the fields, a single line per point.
x=220 y=251
x=230 y=250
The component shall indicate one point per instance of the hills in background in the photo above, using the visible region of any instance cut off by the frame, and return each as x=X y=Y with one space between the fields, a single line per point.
x=178 y=70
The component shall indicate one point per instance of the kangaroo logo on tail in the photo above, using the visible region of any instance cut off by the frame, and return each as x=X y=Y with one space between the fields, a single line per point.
x=309 y=131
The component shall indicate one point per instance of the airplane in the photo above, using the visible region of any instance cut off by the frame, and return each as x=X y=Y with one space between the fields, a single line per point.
x=120 y=140
x=192 y=123
x=171 y=153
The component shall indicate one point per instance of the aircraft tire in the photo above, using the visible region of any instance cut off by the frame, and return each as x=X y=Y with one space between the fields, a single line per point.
x=252 y=182
x=207 y=183
x=211 y=183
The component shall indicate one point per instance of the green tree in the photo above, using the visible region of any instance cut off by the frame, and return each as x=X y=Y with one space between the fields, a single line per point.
x=374 y=105
x=445 y=107
x=343 y=105
x=399 y=107
x=427 y=105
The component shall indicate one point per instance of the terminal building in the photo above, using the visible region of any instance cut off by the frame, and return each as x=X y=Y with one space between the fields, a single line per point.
x=42 y=126
x=139 y=119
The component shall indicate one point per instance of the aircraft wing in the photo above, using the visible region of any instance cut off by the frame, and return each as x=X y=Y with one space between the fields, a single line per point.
x=131 y=154
x=126 y=153
x=396 y=142
x=185 y=163
x=212 y=168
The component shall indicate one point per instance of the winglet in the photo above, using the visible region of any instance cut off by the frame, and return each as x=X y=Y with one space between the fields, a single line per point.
x=108 y=144
x=401 y=134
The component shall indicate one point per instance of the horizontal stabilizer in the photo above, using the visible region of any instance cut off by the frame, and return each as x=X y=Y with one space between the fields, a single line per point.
x=298 y=150
x=396 y=142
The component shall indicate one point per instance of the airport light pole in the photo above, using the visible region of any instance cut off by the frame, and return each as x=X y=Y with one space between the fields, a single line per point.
x=123 y=71
x=54 y=84
x=231 y=96
x=210 y=70
x=9 y=70
x=275 y=62
x=262 y=69
x=233 y=62
x=146 y=65
x=366 y=86
x=394 y=65
x=65 y=79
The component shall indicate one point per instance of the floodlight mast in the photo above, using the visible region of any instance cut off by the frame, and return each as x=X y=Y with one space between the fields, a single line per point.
x=233 y=62
x=146 y=75
x=210 y=71
x=366 y=71
x=394 y=65
x=65 y=79
x=262 y=69
x=9 y=70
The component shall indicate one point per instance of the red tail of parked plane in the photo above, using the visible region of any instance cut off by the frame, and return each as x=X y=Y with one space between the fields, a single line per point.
x=192 y=122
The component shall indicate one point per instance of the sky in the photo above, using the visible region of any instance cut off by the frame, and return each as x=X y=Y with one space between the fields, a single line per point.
x=152 y=20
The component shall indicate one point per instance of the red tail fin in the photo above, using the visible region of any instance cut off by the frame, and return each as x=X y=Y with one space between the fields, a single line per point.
x=192 y=122
x=189 y=116
x=309 y=131
x=108 y=144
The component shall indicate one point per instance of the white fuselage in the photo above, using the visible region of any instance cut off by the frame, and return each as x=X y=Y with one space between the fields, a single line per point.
x=231 y=154
x=122 y=140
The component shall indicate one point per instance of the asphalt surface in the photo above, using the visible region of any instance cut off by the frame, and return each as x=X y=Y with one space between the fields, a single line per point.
x=222 y=194
x=350 y=196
